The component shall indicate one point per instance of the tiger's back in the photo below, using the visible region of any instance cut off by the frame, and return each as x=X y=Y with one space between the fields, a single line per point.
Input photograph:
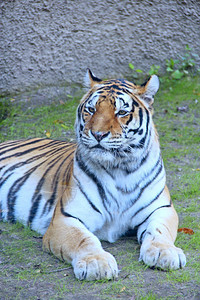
x=33 y=176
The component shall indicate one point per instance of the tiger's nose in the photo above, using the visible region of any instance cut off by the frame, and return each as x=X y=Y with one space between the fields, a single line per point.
x=100 y=135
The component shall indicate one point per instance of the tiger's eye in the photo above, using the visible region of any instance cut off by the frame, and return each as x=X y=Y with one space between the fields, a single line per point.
x=122 y=112
x=91 y=110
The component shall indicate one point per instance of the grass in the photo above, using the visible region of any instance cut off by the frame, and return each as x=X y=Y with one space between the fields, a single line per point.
x=47 y=121
x=24 y=265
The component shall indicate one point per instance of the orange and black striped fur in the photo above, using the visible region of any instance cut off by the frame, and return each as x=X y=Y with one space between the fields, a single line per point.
x=111 y=181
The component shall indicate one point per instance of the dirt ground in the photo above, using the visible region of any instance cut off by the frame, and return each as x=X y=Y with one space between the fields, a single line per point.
x=29 y=273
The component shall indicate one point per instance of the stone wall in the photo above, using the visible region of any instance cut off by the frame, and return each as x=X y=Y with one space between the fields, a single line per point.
x=51 y=43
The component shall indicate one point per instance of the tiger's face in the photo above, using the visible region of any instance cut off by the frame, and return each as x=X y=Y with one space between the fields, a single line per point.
x=114 y=117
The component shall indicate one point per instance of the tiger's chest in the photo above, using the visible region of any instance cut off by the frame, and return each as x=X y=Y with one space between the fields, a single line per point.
x=113 y=202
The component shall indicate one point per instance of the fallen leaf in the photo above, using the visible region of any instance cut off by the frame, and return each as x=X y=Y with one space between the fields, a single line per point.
x=58 y=122
x=123 y=289
x=186 y=230
x=48 y=134
x=196 y=93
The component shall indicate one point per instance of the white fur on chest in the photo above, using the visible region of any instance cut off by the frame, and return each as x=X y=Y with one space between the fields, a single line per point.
x=117 y=197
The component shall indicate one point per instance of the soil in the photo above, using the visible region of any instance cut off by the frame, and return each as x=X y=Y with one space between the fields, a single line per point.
x=57 y=280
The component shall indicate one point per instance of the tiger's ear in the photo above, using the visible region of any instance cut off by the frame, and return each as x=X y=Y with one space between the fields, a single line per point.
x=149 y=89
x=91 y=79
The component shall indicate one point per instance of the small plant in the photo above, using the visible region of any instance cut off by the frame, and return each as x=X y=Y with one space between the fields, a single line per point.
x=154 y=70
x=180 y=67
x=137 y=72
x=175 y=68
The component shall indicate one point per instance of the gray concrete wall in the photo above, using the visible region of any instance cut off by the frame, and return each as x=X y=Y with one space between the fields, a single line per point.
x=49 y=43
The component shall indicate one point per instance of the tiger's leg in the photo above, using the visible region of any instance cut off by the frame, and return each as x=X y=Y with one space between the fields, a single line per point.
x=157 y=237
x=68 y=239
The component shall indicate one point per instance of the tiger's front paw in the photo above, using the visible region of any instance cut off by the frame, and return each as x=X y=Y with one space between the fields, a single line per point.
x=160 y=255
x=95 y=266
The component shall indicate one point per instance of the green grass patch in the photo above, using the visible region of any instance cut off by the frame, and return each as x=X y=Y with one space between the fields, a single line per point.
x=50 y=121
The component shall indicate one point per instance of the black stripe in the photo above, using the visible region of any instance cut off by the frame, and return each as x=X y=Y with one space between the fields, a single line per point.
x=122 y=100
x=12 y=194
x=140 y=132
x=21 y=145
x=140 y=116
x=147 y=184
x=15 y=188
x=81 y=129
x=17 y=154
x=47 y=155
x=9 y=144
x=1 y=212
x=3 y=179
x=67 y=174
x=113 y=198
x=100 y=188
x=142 y=234
x=86 y=196
x=79 y=110
x=63 y=161
x=141 y=237
x=142 y=141
x=130 y=119
x=54 y=144
x=133 y=201
x=134 y=103
x=42 y=147
x=126 y=91
x=119 y=93
x=144 y=159
x=35 y=198
x=141 y=120
x=142 y=208
x=108 y=171
x=34 y=209
x=147 y=175
x=50 y=202
x=64 y=213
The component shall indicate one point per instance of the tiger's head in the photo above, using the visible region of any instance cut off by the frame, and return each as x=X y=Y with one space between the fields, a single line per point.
x=114 y=118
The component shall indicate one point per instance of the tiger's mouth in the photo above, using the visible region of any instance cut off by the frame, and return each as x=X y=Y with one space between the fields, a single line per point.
x=118 y=147
x=98 y=146
x=116 y=152
x=104 y=148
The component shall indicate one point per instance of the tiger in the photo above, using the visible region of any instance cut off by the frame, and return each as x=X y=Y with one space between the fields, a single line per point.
x=110 y=181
